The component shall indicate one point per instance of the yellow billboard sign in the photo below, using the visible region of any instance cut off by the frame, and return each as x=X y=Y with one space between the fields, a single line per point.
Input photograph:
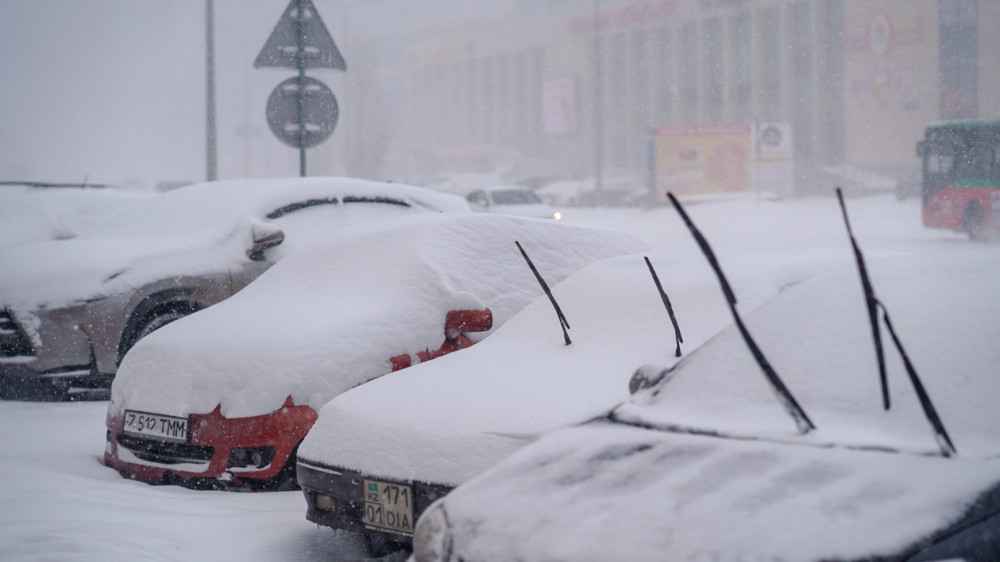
x=703 y=159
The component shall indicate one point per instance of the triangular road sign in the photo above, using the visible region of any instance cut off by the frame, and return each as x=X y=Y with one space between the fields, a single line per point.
x=300 y=40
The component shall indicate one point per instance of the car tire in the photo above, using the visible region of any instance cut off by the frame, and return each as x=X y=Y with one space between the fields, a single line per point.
x=974 y=221
x=153 y=321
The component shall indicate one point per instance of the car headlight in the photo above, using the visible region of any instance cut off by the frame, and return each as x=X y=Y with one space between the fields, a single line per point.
x=557 y=215
x=431 y=539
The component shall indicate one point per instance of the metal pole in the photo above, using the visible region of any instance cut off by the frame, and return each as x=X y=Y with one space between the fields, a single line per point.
x=599 y=107
x=211 y=151
x=300 y=62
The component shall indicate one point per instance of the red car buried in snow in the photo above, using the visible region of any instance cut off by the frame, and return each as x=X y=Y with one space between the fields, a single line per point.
x=222 y=398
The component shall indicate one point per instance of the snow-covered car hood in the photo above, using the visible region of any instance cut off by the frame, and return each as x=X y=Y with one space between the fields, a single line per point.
x=194 y=230
x=329 y=317
x=706 y=465
x=946 y=310
x=451 y=419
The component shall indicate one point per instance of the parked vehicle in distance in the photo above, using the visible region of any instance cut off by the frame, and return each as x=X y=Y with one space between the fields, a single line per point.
x=222 y=399
x=481 y=405
x=71 y=309
x=510 y=200
x=961 y=176
x=703 y=462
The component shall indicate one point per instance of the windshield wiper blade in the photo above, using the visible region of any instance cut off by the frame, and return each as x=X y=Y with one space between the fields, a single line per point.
x=871 y=303
x=678 y=339
x=802 y=421
x=940 y=434
x=562 y=319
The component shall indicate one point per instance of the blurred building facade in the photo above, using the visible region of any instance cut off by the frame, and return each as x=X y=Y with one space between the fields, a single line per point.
x=575 y=87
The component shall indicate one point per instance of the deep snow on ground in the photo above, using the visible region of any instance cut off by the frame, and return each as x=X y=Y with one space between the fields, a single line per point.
x=57 y=501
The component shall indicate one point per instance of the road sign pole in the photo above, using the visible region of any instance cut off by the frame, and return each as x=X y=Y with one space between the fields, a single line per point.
x=302 y=111
x=300 y=63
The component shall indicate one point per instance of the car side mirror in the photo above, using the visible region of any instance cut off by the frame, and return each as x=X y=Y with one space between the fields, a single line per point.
x=646 y=376
x=264 y=237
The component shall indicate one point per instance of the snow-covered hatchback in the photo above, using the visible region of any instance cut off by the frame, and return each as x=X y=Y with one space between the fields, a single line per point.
x=223 y=398
x=71 y=309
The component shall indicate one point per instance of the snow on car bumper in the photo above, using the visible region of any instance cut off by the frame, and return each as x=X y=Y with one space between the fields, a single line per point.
x=218 y=451
x=336 y=497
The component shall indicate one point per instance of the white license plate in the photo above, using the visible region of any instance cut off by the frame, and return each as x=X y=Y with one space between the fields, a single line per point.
x=167 y=428
x=388 y=507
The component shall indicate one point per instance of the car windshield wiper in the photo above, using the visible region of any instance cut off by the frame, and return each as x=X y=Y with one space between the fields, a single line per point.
x=562 y=319
x=802 y=421
x=670 y=310
x=874 y=305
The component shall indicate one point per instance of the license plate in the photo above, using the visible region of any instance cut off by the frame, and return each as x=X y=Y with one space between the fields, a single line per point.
x=388 y=507
x=167 y=428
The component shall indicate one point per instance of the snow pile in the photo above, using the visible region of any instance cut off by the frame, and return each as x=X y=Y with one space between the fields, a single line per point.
x=196 y=230
x=864 y=483
x=451 y=419
x=329 y=317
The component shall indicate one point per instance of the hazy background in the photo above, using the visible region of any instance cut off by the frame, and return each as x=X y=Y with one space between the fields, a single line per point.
x=114 y=90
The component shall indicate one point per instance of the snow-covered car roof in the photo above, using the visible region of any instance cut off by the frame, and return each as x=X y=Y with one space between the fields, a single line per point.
x=477 y=407
x=193 y=230
x=29 y=214
x=328 y=318
x=705 y=463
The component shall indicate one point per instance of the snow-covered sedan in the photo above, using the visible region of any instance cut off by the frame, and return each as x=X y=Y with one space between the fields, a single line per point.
x=510 y=200
x=707 y=461
x=383 y=452
x=70 y=309
x=223 y=397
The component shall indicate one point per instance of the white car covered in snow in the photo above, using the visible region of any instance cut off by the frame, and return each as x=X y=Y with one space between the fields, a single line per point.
x=510 y=200
x=71 y=308
x=224 y=397
x=708 y=461
x=443 y=423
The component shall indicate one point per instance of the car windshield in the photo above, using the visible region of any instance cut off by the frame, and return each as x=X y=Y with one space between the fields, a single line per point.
x=514 y=197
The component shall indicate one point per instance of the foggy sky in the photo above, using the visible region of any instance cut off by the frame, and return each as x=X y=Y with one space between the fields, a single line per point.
x=113 y=90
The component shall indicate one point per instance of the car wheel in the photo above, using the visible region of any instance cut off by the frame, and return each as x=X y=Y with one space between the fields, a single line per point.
x=974 y=221
x=153 y=321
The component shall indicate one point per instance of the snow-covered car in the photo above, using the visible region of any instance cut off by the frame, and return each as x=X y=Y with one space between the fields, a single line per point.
x=223 y=398
x=34 y=211
x=703 y=462
x=374 y=474
x=70 y=309
x=510 y=200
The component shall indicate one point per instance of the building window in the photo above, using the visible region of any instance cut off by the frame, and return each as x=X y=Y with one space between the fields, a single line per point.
x=713 y=70
x=689 y=72
x=743 y=63
x=801 y=44
x=833 y=84
x=770 y=30
x=959 y=58
x=666 y=82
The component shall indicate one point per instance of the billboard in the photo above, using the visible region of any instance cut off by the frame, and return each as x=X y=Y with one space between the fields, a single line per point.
x=703 y=159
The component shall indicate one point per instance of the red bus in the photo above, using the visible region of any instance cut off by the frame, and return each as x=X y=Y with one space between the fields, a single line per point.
x=961 y=176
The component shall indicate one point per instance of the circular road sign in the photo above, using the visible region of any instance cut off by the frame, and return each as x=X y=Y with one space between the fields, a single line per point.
x=302 y=114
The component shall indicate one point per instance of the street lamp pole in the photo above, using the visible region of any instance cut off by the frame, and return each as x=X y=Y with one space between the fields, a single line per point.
x=599 y=106
x=211 y=152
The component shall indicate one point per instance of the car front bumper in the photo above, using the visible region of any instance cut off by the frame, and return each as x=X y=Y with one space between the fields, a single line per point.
x=219 y=452
x=335 y=498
